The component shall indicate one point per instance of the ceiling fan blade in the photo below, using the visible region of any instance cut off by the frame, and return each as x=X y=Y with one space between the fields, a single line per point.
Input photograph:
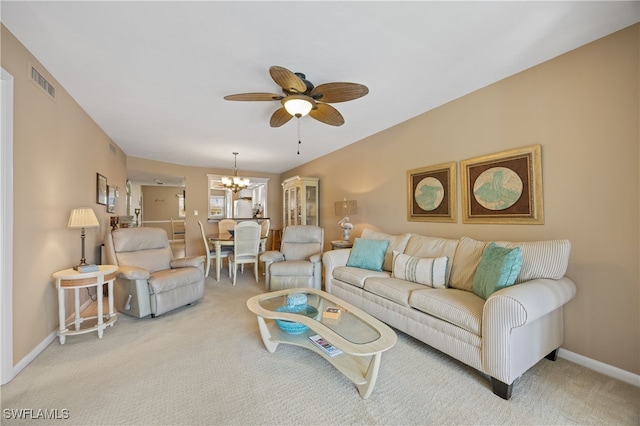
x=287 y=80
x=327 y=114
x=280 y=117
x=254 y=97
x=339 y=92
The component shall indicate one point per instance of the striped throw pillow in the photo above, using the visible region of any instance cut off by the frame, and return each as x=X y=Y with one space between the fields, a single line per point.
x=542 y=259
x=427 y=271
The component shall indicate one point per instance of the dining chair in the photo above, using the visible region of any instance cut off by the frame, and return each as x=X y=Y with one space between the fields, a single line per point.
x=178 y=229
x=264 y=234
x=226 y=225
x=210 y=251
x=246 y=248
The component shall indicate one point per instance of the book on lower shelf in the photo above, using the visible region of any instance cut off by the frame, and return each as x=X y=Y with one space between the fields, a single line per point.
x=327 y=347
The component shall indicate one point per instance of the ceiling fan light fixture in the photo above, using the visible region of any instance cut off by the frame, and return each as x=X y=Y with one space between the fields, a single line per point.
x=297 y=105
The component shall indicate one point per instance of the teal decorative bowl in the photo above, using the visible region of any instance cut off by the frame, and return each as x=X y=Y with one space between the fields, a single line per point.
x=295 y=327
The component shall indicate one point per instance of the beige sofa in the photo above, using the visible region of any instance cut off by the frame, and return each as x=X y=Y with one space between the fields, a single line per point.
x=149 y=280
x=502 y=336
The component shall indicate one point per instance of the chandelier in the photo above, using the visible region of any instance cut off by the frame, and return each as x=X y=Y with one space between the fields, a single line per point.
x=235 y=183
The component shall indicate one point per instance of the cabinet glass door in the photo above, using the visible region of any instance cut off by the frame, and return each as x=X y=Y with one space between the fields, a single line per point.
x=311 y=206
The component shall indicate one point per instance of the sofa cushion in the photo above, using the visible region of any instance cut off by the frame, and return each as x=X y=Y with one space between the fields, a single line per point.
x=498 y=268
x=542 y=259
x=396 y=243
x=356 y=276
x=368 y=254
x=465 y=262
x=427 y=271
x=458 y=307
x=393 y=289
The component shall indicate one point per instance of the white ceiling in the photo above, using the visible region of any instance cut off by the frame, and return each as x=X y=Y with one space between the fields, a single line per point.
x=153 y=74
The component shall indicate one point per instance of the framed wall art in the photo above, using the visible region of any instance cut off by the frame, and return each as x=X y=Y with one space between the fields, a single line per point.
x=431 y=193
x=111 y=199
x=505 y=187
x=101 y=189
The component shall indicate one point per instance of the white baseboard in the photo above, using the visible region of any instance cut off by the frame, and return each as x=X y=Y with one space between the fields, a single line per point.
x=42 y=346
x=600 y=367
x=34 y=353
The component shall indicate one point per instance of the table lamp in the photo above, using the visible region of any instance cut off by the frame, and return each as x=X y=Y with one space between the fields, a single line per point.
x=83 y=218
x=346 y=208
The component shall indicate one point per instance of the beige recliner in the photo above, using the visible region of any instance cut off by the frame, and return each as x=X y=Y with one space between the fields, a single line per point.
x=149 y=280
x=299 y=261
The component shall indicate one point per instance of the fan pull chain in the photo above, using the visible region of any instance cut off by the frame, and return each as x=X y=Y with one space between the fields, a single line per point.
x=299 y=142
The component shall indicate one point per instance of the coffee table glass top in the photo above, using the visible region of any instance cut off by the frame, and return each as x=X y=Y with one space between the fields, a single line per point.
x=348 y=326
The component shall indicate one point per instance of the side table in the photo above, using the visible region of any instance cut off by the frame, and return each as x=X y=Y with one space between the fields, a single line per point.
x=70 y=279
x=341 y=244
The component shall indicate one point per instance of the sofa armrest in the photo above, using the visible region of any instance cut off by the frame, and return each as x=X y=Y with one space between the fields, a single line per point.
x=521 y=324
x=331 y=260
x=528 y=301
x=315 y=258
x=132 y=273
x=184 y=262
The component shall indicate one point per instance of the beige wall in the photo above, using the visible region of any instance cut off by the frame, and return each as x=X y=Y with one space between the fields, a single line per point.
x=160 y=204
x=58 y=150
x=582 y=107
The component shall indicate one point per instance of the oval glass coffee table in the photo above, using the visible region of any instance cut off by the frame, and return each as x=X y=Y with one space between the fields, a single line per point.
x=361 y=337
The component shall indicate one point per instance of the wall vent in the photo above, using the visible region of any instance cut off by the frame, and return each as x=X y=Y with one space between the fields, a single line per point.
x=112 y=148
x=42 y=82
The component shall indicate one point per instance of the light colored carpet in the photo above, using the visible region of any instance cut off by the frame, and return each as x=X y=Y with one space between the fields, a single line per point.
x=206 y=364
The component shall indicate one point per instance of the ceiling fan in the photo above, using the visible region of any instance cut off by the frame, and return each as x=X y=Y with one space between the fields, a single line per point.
x=301 y=97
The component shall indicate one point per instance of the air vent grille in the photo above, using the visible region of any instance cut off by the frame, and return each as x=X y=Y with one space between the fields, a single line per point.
x=42 y=82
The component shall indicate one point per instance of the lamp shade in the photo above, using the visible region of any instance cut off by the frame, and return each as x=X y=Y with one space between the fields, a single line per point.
x=83 y=218
x=346 y=207
x=298 y=105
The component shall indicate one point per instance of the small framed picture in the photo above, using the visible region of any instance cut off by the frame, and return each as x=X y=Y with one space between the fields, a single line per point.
x=101 y=189
x=431 y=193
x=111 y=199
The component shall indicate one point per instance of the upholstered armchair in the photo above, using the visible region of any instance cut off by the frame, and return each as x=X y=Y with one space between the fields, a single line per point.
x=299 y=261
x=149 y=280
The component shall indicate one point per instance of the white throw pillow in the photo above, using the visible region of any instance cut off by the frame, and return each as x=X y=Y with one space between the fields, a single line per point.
x=426 y=271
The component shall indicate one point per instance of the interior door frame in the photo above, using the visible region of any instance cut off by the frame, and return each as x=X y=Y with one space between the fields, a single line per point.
x=7 y=371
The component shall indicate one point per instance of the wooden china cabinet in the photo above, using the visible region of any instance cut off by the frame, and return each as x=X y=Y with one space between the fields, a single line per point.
x=300 y=201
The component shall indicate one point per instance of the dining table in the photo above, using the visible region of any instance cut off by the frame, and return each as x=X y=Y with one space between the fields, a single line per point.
x=221 y=240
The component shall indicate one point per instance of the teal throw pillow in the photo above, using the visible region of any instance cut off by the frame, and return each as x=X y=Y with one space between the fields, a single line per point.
x=498 y=268
x=368 y=254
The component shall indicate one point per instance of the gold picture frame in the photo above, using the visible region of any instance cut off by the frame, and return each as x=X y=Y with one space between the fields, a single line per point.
x=504 y=187
x=431 y=193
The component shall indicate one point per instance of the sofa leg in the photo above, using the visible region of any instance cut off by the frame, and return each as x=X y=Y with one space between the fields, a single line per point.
x=153 y=315
x=553 y=355
x=501 y=389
